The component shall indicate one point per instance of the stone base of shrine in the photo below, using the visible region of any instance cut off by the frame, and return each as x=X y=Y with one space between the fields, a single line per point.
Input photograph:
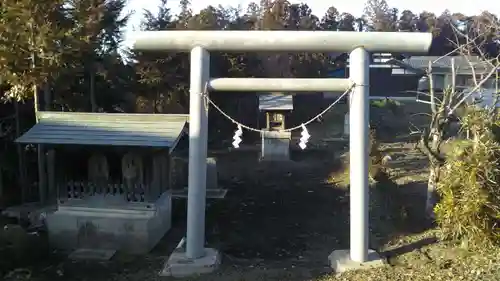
x=275 y=146
x=180 y=266
x=131 y=227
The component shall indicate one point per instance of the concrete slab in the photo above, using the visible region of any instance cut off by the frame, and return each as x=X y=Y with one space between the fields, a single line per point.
x=218 y=193
x=92 y=254
x=179 y=266
x=340 y=261
x=32 y=212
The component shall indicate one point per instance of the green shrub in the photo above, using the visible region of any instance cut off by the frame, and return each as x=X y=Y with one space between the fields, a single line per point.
x=383 y=114
x=385 y=103
x=469 y=209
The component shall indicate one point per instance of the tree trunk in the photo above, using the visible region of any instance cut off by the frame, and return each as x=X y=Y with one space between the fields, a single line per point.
x=2 y=194
x=47 y=97
x=42 y=179
x=93 y=102
x=432 y=183
x=21 y=162
x=42 y=171
x=435 y=163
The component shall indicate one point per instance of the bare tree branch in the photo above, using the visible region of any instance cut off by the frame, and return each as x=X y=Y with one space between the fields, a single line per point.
x=468 y=44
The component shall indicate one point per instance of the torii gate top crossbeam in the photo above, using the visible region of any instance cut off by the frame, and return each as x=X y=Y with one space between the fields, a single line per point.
x=282 y=41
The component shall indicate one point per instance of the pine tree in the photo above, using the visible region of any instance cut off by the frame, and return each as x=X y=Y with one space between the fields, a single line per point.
x=31 y=46
x=96 y=35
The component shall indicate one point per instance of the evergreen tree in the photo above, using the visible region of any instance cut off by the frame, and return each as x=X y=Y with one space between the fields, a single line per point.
x=32 y=44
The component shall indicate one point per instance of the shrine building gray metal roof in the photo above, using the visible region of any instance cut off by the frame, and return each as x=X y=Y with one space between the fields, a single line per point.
x=106 y=129
x=275 y=102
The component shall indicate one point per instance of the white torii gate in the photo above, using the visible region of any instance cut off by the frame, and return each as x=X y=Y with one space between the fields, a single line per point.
x=199 y=43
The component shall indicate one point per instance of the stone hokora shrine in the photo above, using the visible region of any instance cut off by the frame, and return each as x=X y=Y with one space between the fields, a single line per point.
x=275 y=144
x=110 y=177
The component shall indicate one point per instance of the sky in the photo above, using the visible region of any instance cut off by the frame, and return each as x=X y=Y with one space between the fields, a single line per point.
x=319 y=7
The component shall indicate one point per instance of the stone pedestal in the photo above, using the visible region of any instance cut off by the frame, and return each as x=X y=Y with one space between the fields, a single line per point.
x=212 y=175
x=131 y=227
x=213 y=190
x=346 y=124
x=275 y=146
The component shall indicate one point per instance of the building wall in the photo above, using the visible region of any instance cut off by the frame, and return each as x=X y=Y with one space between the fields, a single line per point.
x=383 y=83
x=439 y=82
x=442 y=81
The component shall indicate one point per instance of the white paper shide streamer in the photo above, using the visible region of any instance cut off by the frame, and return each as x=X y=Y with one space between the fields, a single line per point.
x=304 y=137
x=237 y=137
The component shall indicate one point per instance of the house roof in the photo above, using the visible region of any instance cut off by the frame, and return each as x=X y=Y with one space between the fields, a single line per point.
x=108 y=129
x=275 y=102
x=377 y=60
x=463 y=64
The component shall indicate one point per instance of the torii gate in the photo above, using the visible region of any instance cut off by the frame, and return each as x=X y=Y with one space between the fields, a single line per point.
x=199 y=43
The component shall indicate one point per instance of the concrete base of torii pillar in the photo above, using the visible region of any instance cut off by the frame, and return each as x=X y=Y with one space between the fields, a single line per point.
x=340 y=261
x=179 y=265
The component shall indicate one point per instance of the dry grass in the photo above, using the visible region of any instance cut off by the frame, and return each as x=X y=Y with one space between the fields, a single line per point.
x=436 y=262
x=439 y=261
